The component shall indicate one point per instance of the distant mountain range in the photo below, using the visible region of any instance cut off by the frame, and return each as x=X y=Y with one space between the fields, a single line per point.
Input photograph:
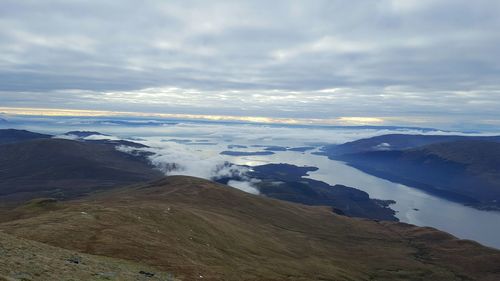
x=460 y=168
x=193 y=229
x=245 y=153
x=396 y=142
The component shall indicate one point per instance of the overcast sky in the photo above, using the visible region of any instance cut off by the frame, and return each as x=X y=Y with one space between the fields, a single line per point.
x=412 y=62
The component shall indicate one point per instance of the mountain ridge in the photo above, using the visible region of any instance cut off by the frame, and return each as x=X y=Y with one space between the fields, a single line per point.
x=193 y=227
x=395 y=142
x=15 y=135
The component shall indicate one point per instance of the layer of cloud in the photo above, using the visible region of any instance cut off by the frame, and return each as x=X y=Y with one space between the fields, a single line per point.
x=395 y=105
x=193 y=158
x=213 y=132
x=424 y=61
x=244 y=186
x=180 y=159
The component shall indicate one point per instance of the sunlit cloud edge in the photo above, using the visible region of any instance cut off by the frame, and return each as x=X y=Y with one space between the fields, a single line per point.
x=58 y=112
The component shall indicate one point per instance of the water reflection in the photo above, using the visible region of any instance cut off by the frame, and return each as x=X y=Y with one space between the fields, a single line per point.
x=412 y=205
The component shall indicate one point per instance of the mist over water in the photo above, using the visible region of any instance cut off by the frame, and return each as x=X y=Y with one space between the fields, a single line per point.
x=194 y=148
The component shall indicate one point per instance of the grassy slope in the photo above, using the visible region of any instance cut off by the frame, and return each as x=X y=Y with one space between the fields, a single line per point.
x=194 y=228
x=23 y=259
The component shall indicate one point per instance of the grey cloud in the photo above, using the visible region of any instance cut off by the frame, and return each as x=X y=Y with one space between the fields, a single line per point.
x=431 y=50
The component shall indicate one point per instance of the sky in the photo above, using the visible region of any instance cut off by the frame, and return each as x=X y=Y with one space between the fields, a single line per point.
x=430 y=63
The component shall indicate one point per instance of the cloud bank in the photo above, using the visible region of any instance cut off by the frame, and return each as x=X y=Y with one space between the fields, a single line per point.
x=180 y=159
x=401 y=62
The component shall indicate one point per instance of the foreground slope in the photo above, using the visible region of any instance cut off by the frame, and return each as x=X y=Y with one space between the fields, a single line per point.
x=23 y=259
x=198 y=229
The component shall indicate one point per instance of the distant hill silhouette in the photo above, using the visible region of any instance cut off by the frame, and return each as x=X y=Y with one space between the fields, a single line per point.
x=396 y=142
x=13 y=135
x=83 y=134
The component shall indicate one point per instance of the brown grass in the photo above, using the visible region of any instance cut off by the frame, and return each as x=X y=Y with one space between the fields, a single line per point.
x=194 y=228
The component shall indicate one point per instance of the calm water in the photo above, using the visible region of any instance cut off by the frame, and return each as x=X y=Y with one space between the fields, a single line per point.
x=459 y=220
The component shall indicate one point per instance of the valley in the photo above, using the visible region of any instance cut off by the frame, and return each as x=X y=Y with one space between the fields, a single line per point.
x=183 y=227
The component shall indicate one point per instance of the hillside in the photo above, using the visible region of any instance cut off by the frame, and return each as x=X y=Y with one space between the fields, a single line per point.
x=197 y=229
x=396 y=142
x=65 y=168
x=29 y=260
x=465 y=171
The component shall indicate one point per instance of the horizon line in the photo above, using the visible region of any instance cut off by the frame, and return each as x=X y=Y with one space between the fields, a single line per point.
x=59 y=112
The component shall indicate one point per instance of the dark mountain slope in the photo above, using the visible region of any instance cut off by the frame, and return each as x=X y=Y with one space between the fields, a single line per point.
x=465 y=171
x=13 y=135
x=288 y=182
x=198 y=229
x=396 y=142
x=66 y=168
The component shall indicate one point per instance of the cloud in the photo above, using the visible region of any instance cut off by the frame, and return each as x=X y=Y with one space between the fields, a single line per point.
x=394 y=105
x=256 y=58
x=179 y=159
x=244 y=186
x=100 y=137
x=66 y=137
